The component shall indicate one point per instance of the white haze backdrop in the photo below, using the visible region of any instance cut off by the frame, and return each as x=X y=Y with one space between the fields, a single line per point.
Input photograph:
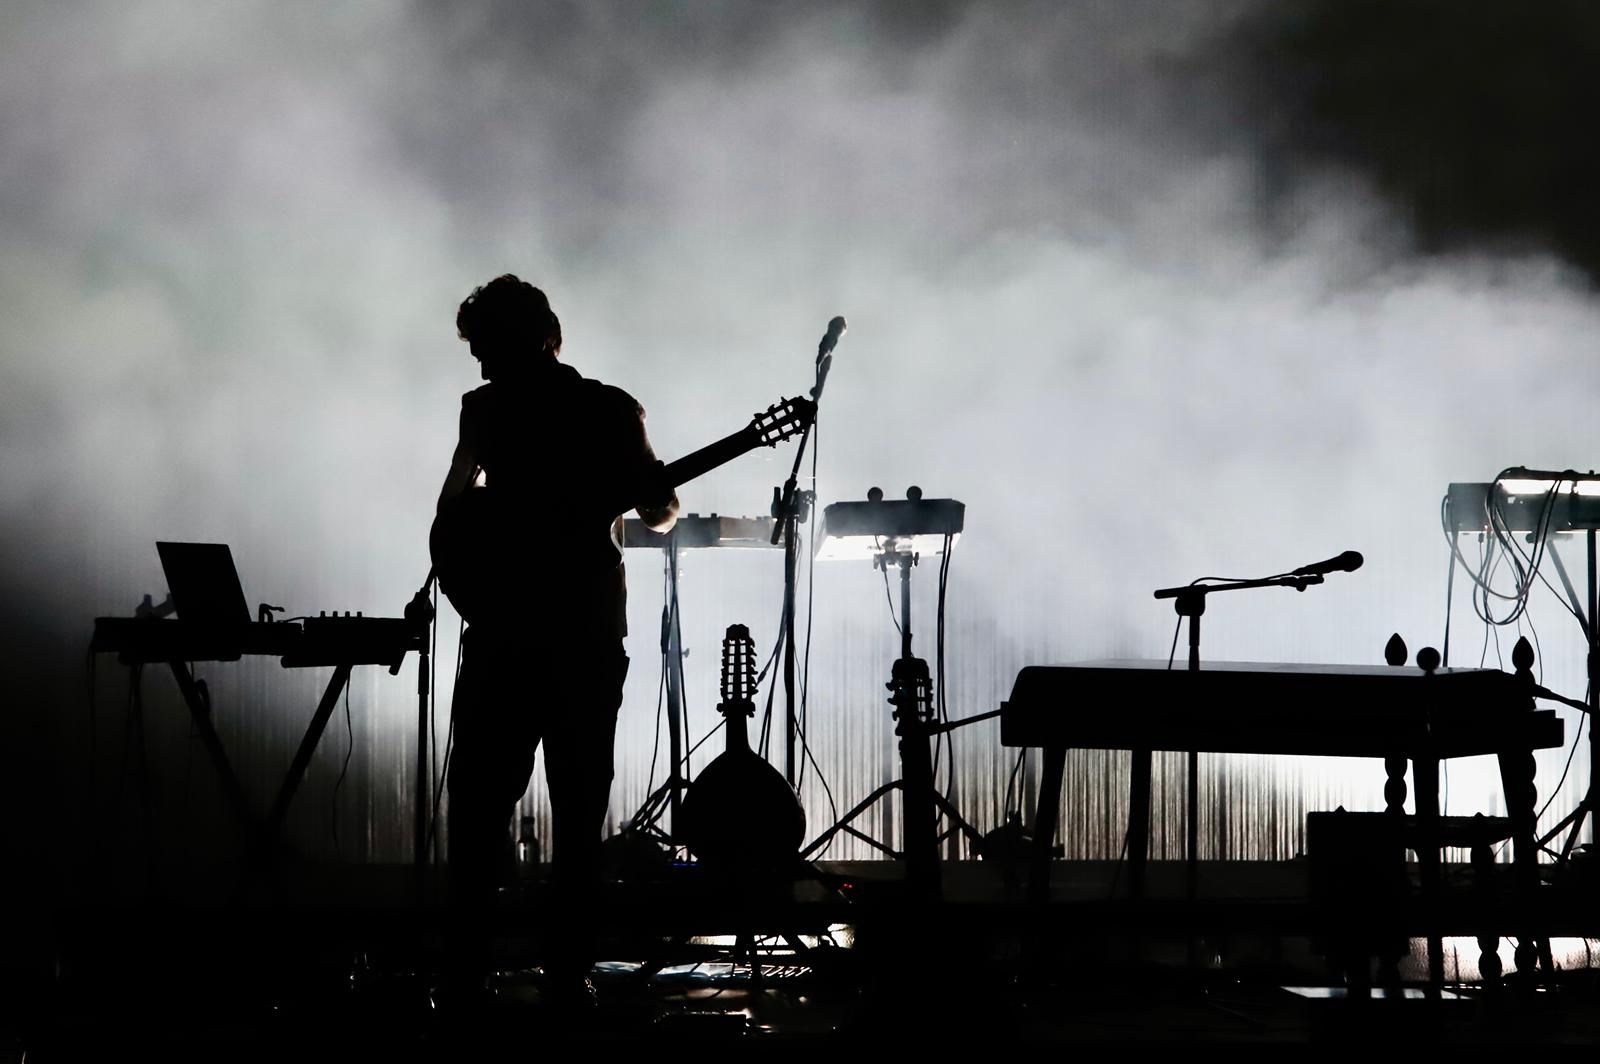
x=233 y=237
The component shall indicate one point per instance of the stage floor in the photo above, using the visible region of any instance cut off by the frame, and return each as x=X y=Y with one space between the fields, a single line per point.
x=336 y=961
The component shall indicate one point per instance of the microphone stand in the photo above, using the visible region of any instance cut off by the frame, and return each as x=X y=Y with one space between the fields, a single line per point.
x=1189 y=601
x=790 y=507
x=419 y=612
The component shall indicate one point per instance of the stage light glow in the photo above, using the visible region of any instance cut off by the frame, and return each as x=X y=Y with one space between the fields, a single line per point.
x=1542 y=487
x=865 y=548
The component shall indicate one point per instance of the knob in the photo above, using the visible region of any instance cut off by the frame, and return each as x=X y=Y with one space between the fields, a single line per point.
x=874 y=494
x=914 y=493
x=1394 y=651
x=1522 y=654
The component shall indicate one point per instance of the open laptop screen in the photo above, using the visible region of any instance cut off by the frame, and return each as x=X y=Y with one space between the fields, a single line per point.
x=204 y=583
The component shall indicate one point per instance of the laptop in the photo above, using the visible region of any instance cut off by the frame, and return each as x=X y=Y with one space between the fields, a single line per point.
x=204 y=584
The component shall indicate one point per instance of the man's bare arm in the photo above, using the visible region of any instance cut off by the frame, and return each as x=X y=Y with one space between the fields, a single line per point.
x=463 y=470
x=660 y=513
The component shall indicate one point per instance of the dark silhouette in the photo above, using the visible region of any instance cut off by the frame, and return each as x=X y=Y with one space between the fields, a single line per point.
x=543 y=659
x=740 y=813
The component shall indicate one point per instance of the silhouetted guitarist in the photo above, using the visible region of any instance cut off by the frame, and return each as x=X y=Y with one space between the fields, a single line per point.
x=545 y=661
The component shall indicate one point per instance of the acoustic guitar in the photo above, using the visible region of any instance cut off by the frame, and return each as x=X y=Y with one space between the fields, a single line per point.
x=740 y=813
x=480 y=541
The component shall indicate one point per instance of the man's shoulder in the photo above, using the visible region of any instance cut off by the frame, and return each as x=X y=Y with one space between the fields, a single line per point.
x=610 y=397
x=590 y=393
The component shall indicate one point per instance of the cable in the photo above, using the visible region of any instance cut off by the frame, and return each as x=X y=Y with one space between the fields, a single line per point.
x=942 y=701
x=449 y=740
x=811 y=603
x=806 y=756
x=777 y=646
x=1497 y=533
x=661 y=690
x=93 y=729
x=803 y=722
x=1011 y=783
x=350 y=746
x=433 y=692
x=1555 y=791
x=655 y=743
x=1449 y=599
x=887 y=595
x=714 y=729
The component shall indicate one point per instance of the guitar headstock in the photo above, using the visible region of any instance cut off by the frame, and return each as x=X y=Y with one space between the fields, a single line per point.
x=783 y=419
x=738 y=669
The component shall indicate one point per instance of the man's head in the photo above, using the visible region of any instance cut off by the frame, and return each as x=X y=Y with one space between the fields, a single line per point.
x=508 y=324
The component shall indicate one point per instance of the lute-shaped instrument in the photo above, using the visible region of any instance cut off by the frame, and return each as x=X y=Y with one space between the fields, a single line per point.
x=740 y=813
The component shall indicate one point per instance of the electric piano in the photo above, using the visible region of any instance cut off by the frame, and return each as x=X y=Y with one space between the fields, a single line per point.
x=694 y=531
x=328 y=640
x=1396 y=713
x=1244 y=707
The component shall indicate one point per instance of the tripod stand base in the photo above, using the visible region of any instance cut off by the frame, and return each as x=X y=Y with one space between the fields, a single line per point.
x=923 y=874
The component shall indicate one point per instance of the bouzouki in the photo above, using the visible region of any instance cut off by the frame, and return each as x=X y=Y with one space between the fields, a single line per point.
x=740 y=813
x=476 y=538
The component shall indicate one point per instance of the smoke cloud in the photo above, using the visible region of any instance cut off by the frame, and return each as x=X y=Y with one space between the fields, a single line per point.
x=1108 y=282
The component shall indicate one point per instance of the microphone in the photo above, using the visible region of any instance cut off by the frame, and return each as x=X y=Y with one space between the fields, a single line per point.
x=831 y=339
x=1348 y=562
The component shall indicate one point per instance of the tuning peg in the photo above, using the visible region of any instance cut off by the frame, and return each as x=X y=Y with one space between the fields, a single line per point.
x=1427 y=659
x=1394 y=651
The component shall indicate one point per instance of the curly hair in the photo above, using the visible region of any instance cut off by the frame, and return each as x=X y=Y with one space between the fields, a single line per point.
x=510 y=316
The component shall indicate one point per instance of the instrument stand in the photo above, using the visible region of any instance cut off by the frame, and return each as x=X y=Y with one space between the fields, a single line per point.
x=921 y=803
x=264 y=837
x=1572 y=823
x=666 y=798
x=420 y=613
x=790 y=507
x=1188 y=601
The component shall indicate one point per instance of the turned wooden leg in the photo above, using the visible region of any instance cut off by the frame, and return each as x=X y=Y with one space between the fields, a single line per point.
x=1483 y=887
x=1394 y=788
x=1426 y=772
x=1394 y=797
x=1517 y=772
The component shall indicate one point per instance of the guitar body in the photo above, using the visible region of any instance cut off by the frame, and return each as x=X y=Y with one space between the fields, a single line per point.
x=740 y=814
x=494 y=561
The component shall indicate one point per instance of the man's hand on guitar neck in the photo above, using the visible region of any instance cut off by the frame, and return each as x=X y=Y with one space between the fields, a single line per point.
x=657 y=499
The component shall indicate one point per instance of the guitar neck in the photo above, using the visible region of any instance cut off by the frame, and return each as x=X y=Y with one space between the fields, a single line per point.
x=698 y=463
x=737 y=715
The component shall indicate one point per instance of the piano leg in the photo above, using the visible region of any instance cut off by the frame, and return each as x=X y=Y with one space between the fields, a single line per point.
x=1044 y=831
x=1517 y=774
x=1139 y=821
x=1425 y=771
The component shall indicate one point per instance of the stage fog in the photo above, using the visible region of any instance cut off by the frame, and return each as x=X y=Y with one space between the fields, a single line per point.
x=1091 y=294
